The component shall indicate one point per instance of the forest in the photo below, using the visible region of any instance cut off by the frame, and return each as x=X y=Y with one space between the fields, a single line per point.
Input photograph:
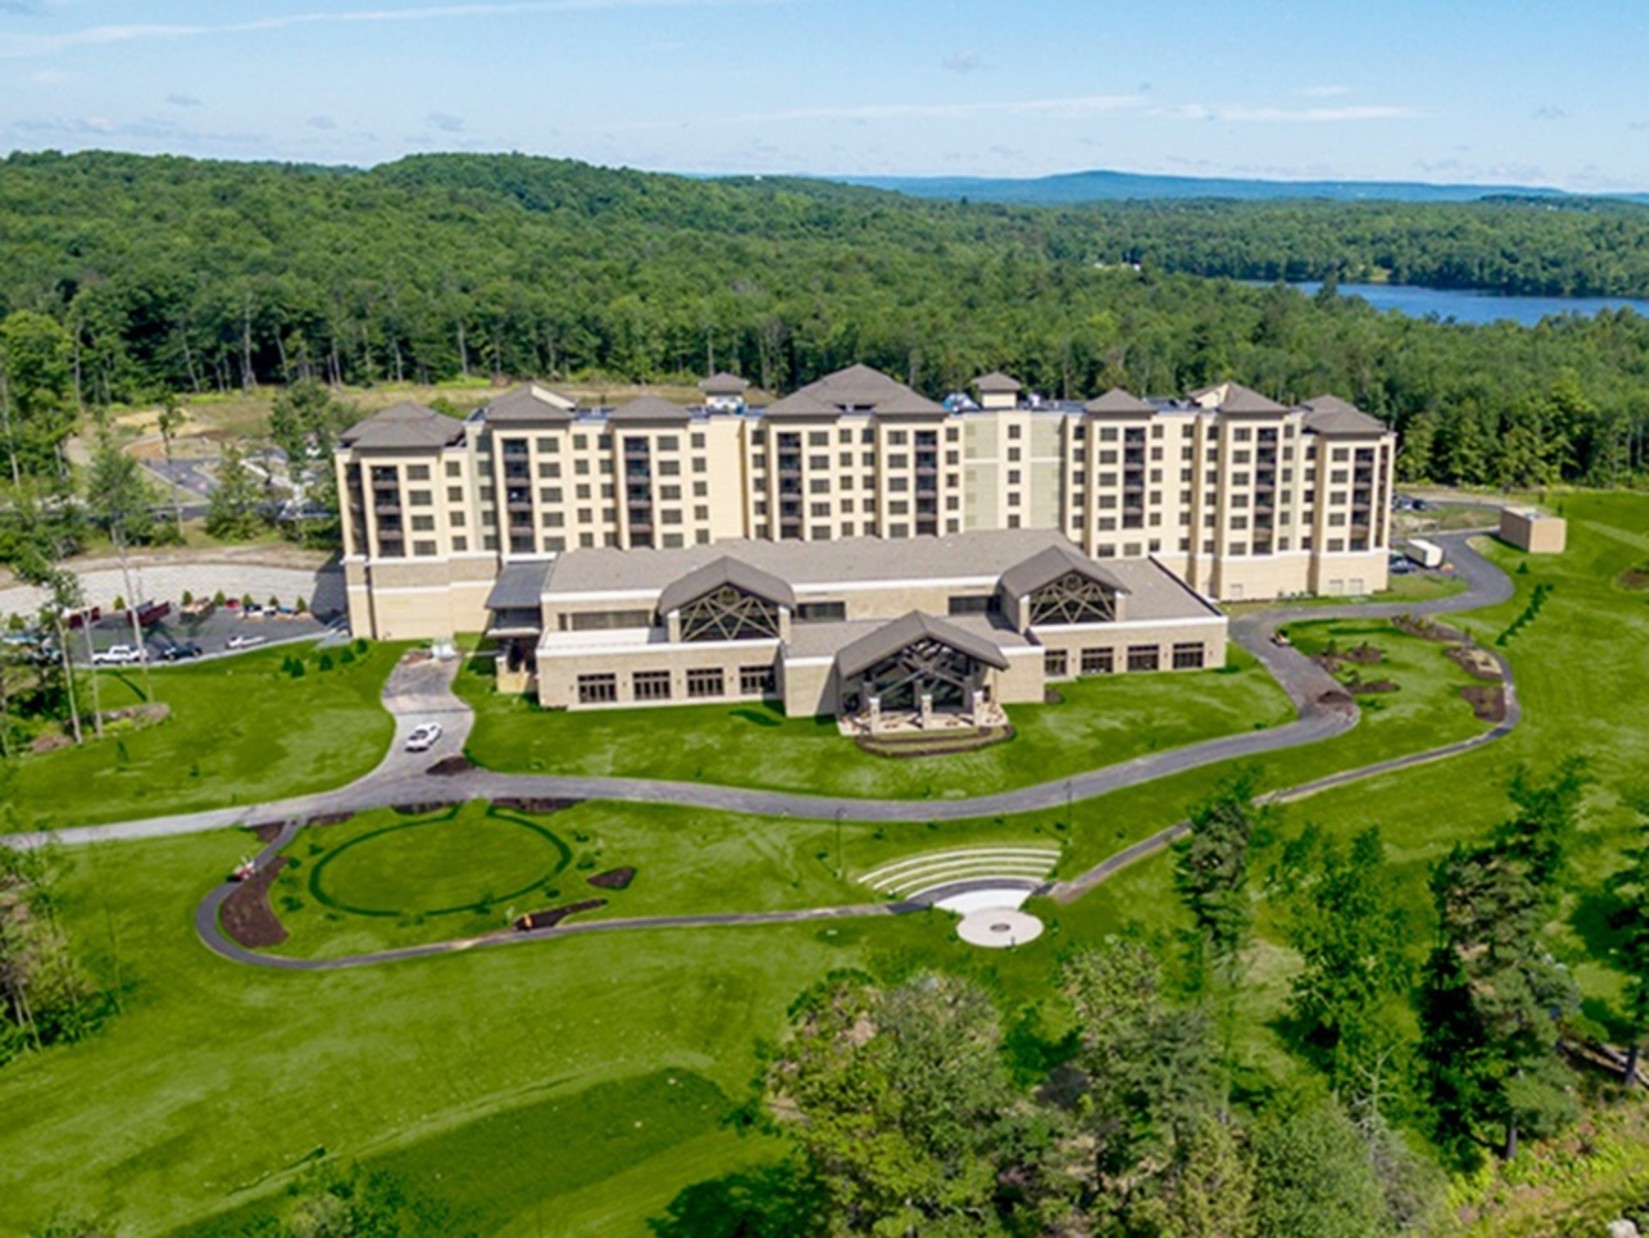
x=172 y=275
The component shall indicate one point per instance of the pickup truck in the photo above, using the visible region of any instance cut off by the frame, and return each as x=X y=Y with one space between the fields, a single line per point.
x=118 y=655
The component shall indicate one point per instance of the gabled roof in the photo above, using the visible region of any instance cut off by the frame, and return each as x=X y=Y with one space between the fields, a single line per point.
x=519 y=585
x=407 y=427
x=857 y=387
x=1235 y=398
x=887 y=640
x=800 y=404
x=1330 y=415
x=649 y=408
x=1115 y=401
x=996 y=383
x=530 y=403
x=725 y=571
x=723 y=383
x=1047 y=566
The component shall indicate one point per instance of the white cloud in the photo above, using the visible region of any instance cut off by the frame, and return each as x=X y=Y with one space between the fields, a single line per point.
x=962 y=62
x=15 y=45
x=1080 y=105
x=1320 y=92
x=1243 y=114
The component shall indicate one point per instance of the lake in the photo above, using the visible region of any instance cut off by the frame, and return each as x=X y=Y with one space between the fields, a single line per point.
x=1470 y=306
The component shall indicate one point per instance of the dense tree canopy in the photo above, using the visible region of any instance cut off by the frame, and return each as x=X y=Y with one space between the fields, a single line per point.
x=168 y=273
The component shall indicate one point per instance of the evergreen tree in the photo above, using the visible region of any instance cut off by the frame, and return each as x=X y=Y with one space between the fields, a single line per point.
x=117 y=495
x=1629 y=887
x=1211 y=877
x=1313 y=1177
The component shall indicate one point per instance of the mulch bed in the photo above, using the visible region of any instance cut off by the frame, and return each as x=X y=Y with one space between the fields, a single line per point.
x=555 y=915
x=538 y=805
x=246 y=914
x=1475 y=662
x=421 y=809
x=266 y=832
x=1337 y=699
x=1635 y=578
x=1364 y=655
x=613 y=879
x=451 y=765
x=1489 y=704
x=1364 y=687
x=937 y=744
x=329 y=818
x=1427 y=629
x=1051 y=696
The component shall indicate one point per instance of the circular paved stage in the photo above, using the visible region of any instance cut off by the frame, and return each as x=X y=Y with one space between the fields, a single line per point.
x=997 y=928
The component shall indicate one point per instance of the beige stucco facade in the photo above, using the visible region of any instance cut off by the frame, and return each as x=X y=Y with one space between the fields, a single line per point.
x=1241 y=497
x=1533 y=531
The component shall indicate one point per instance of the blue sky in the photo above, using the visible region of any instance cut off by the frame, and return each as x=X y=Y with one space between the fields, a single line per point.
x=1530 y=93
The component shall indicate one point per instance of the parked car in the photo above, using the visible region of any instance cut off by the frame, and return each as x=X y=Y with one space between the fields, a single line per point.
x=423 y=737
x=245 y=641
x=180 y=651
x=118 y=655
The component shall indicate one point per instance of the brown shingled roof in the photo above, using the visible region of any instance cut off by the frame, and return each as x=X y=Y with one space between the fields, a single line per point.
x=723 y=383
x=1116 y=400
x=1330 y=415
x=996 y=383
x=648 y=408
x=405 y=426
x=1047 y=566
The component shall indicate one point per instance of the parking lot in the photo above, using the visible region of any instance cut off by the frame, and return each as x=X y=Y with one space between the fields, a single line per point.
x=219 y=632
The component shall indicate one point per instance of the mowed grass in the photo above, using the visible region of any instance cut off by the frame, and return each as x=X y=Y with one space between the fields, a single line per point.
x=241 y=731
x=217 y=1084
x=1100 y=721
x=505 y=1078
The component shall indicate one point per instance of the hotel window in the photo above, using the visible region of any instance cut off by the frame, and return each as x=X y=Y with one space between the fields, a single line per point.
x=1189 y=657
x=597 y=689
x=419 y=498
x=1055 y=664
x=423 y=524
x=821 y=612
x=705 y=681
x=650 y=685
x=1013 y=431
x=697 y=440
x=1098 y=661
x=424 y=550
x=417 y=472
x=460 y=545
x=455 y=468
x=455 y=494
x=1143 y=657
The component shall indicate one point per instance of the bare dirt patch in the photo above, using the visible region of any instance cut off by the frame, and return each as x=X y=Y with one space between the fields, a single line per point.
x=613 y=879
x=539 y=805
x=1370 y=687
x=1488 y=703
x=246 y=914
x=1427 y=629
x=555 y=915
x=265 y=832
x=1635 y=578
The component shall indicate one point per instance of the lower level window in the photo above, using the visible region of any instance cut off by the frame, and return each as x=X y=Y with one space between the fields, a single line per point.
x=1144 y=657
x=757 y=681
x=1188 y=657
x=597 y=689
x=1055 y=664
x=1098 y=661
x=706 y=681
x=651 y=685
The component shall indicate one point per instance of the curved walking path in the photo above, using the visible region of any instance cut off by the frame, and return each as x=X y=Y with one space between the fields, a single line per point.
x=421 y=691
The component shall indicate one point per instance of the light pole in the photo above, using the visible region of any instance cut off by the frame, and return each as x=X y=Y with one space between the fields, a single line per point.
x=839 y=814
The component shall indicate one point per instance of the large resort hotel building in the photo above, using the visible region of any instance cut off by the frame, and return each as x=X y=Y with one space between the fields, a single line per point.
x=853 y=547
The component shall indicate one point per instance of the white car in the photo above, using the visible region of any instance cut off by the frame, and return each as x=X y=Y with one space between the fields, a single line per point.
x=118 y=655
x=423 y=737
x=245 y=642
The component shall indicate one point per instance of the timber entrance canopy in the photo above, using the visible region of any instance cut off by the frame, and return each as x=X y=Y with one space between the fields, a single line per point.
x=1062 y=586
x=914 y=656
x=727 y=600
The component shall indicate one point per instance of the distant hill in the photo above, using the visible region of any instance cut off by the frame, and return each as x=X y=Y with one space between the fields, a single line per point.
x=1100 y=185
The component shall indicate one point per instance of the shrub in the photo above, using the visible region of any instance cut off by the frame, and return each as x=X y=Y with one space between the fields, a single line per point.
x=188 y=599
x=246 y=601
x=218 y=599
x=274 y=603
x=301 y=606
x=325 y=663
x=360 y=644
x=346 y=656
x=297 y=668
x=119 y=603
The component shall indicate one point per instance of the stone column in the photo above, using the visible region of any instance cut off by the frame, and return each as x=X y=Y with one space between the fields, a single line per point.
x=978 y=707
x=875 y=710
x=927 y=710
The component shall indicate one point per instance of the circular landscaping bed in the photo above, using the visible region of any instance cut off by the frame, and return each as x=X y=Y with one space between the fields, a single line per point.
x=439 y=866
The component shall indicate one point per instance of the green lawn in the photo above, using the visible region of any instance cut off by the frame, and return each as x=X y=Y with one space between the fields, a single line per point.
x=1101 y=720
x=532 y=1085
x=240 y=731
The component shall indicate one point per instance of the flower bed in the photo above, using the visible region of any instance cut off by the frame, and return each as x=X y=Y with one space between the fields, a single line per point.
x=247 y=915
x=555 y=915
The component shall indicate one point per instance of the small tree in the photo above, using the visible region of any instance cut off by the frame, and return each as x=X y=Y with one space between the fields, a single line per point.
x=233 y=513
